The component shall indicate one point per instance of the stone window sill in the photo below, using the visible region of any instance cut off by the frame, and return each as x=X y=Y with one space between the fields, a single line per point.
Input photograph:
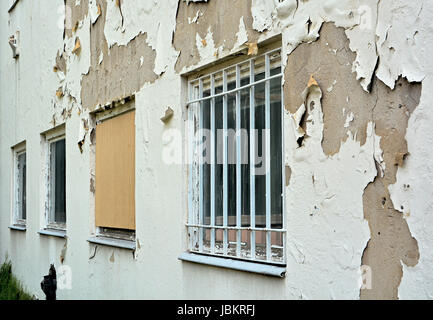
x=18 y=227
x=53 y=233
x=113 y=242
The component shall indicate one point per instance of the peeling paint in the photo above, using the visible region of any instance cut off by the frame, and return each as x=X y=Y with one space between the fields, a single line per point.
x=357 y=92
x=330 y=213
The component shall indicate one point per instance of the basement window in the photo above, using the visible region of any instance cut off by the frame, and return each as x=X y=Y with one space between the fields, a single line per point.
x=19 y=188
x=236 y=175
x=114 y=185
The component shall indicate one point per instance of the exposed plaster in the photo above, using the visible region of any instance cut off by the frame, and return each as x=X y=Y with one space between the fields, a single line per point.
x=376 y=32
x=125 y=67
x=389 y=110
x=411 y=195
x=224 y=25
x=155 y=18
x=327 y=232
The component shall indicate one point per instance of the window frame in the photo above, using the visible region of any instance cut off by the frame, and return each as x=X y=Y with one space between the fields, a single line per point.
x=194 y=228
x=17 y=220
x=50 y=222
x=115 y=237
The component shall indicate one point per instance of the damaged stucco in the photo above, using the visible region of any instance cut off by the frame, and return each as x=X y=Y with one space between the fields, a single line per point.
x=348 y=112
x=357 y=97
x=206 y=31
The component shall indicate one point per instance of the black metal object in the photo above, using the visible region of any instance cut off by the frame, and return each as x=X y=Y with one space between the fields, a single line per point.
x=49 y=284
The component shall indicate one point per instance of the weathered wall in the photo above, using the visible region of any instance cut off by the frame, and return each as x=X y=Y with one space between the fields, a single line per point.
x=348 y=108
x=357 y=140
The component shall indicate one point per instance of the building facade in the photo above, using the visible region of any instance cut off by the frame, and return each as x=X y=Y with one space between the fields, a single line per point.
x=220 y=149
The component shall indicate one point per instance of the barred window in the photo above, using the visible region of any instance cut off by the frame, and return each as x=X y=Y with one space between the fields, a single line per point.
x=236 y=201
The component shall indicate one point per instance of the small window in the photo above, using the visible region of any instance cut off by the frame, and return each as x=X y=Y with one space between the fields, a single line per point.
x=20 y=173
x=57 y=183
x=115 y=174
x=236 y=156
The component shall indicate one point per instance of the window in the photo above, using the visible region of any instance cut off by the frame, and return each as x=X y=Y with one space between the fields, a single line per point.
x=115 y=174
x=57 y=183
x=19 y=194
x=235 y=168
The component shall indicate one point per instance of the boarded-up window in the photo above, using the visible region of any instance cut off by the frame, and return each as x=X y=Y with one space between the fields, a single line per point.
x=115 y=172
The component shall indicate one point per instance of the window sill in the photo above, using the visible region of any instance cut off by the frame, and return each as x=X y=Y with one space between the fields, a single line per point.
x=18 y=227
x=239 y=265
x=53 y=233
x=112 y=242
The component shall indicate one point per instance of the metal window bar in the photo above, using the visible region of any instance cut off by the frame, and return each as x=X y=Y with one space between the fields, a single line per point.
x=238 y=163
x=213 y=163
x=201 y=226
x=270 y=52
x=268 y=156
x=225 y=164
x=252 y=164
x=236 y=89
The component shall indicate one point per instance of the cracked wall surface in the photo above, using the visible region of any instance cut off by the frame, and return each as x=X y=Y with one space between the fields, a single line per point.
x=357 y=127
x=220 y=19
x=330 y=60
x=116 y=72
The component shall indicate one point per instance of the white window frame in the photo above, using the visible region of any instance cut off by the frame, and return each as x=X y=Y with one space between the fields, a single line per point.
x=52 y=137
x=16 y=206
x=195 y=225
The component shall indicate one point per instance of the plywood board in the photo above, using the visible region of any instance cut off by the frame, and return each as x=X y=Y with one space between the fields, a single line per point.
x=115 y=172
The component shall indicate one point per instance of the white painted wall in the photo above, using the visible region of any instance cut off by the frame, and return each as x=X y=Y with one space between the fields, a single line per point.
x=324 y=253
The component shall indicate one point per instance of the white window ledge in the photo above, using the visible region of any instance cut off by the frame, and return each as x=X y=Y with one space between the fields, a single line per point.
x=113 y=242
x=18 y=227
x=53 y=233
x=240 y=265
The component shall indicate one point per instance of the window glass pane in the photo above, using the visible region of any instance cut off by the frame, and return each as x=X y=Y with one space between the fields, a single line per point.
x=277 y=246
x=231 y=242
x=207 y=158
x=219 y=156
x=22 y=186
x=260 y=245
x=58 y=180
x=246 y=244
x=231 y=151
x=276 y=152
x=245 y=155
x=260 y=161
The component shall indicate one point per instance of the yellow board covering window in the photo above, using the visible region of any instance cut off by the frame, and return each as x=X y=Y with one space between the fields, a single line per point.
x=115 y=172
